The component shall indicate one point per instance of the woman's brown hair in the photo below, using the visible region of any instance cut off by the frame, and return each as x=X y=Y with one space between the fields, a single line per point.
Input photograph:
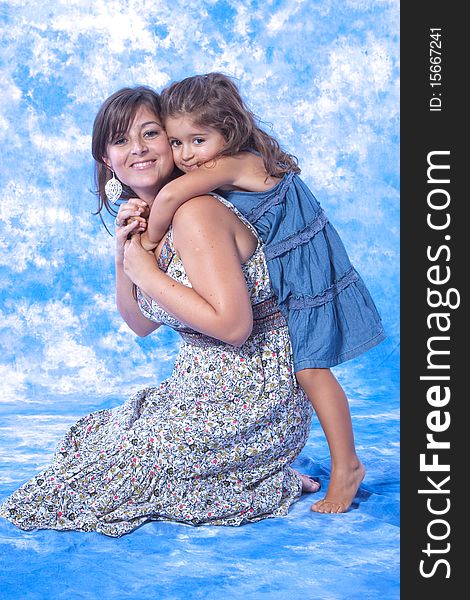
x=213 y=100
x=113 y=119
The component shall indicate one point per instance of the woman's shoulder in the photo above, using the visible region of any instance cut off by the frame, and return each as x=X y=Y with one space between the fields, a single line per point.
x=205 y=208
x=204 y=215
x=207 y=218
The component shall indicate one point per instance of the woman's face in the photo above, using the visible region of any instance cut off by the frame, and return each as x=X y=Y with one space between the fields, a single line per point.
x=141 y=157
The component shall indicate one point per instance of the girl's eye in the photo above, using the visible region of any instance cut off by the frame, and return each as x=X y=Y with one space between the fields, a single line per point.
x=198 y=141
x=175 y=143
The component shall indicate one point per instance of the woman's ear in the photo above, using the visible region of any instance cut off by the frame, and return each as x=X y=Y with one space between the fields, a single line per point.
x=107 y=162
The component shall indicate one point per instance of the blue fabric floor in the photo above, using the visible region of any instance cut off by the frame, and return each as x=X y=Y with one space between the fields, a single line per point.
x=301 y=556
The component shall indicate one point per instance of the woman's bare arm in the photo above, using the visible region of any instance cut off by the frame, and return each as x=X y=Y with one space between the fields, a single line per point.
x=125 y=300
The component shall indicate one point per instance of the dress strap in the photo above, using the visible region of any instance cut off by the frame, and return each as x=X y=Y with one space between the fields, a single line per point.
x=167 y=252
x=242 y=218
x=278 y=196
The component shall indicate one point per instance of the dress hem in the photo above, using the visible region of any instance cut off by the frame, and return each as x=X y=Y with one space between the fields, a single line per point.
x=310 y=363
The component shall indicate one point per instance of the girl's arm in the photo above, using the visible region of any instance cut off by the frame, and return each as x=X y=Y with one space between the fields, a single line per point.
x=218 y=303
x=125 y=300
x=228 y=170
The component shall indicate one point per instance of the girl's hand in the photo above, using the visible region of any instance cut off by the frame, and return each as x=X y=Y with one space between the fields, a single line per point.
x=142 y=217
x=133 y=208
x=138 y=263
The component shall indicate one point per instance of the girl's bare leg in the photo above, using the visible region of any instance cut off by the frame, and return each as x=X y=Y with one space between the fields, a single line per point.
x=332 y=408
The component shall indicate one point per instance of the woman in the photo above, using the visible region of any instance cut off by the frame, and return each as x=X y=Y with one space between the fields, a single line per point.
x=212 y=443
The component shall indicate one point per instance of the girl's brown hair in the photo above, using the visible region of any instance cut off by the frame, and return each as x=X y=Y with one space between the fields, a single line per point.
x=113 y=119
x=213 y=100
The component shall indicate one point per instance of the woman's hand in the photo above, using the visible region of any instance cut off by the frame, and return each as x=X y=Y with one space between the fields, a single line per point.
x=131 y=219
x=138 y=263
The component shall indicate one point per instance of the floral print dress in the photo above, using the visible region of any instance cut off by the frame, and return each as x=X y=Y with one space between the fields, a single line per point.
x=211 y=444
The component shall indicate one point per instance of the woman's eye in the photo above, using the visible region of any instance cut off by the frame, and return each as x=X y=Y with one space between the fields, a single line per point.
x=151 y=134
x=119 y=141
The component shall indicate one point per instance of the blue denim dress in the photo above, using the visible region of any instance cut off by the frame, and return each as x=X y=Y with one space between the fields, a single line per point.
x=330 y=313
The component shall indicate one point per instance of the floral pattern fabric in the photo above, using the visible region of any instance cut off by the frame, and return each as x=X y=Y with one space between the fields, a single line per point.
x=211 y=444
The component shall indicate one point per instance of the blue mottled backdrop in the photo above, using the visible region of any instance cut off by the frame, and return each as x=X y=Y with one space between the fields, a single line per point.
x=323 y=76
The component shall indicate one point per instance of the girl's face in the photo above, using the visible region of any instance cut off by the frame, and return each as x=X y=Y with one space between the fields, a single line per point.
x=192 y=144
x=141 y=157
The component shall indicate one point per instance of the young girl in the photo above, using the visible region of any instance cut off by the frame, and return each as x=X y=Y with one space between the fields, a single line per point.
x=330 y=313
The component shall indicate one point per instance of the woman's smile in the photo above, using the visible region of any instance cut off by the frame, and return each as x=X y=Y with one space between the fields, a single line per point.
x=143 y=165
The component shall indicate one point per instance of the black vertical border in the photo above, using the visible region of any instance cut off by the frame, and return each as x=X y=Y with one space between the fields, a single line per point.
x=424 y=131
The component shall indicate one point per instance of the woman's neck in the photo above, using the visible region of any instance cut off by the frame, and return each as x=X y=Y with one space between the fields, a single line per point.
x=148 y=195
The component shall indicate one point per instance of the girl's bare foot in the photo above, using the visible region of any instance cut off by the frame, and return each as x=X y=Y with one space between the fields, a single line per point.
x=309 y=484
x=341 y=491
